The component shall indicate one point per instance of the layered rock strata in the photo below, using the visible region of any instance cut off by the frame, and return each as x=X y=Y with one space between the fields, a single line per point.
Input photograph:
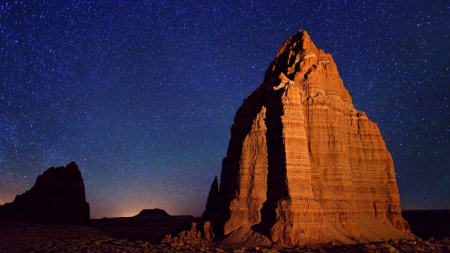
x=57 y=197
x=303 y=166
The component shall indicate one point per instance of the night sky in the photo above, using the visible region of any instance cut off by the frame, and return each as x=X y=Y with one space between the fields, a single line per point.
x=142 y=95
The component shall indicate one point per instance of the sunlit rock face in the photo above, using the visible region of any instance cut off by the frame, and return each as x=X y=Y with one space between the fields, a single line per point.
x=57 y=197
x=303 y=166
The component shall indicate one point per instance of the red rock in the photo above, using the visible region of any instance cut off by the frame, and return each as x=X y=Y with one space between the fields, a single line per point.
x=57 y=197
x=303 y=166
x=198 y=232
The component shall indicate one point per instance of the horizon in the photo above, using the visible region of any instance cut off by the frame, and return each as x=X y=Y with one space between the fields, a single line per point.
x=131 y=214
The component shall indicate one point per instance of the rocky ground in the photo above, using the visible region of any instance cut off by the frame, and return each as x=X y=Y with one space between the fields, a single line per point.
x=126 y=235
x=150 y=229
x=20 y=237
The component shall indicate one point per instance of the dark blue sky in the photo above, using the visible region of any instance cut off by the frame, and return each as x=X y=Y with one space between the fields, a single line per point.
x=142 y=94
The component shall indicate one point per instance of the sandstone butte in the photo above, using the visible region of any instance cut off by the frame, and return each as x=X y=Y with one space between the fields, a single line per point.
x=57 y=197
x=303 y=166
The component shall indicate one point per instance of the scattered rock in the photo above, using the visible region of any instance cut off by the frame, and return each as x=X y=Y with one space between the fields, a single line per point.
x=198 y=233
x=22 y=237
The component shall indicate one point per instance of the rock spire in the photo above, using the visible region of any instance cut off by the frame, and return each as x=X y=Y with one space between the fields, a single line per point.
x=303 y=166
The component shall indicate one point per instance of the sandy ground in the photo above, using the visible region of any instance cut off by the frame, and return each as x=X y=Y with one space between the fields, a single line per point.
x=125 y=235
x=19 y=237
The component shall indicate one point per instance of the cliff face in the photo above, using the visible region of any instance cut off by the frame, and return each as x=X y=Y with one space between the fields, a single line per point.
x=303 y=166
x=57 y=197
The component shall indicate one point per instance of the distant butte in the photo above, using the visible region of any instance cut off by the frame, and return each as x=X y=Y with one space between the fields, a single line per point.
x=57 y=197
x=303 y=166
x=152 y=214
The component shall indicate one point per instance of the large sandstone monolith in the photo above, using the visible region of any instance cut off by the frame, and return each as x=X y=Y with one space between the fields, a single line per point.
x=303 y=166
x=57 y=197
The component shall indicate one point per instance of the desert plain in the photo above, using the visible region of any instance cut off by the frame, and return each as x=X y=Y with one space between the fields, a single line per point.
x=130 y=235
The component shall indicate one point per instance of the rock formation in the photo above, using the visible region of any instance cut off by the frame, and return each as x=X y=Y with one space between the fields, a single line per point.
x=152 y=214
x=198 y=232
x=57 y=197
x=303 y=166
x=212 y=201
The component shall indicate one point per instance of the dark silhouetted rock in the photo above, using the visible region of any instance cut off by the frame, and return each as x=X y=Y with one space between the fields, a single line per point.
x=152 y=214
x=303 y=166
x=212 y=201
x=57 y=197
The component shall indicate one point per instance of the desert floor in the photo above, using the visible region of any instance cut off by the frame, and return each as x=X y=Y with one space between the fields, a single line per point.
x=110 y=236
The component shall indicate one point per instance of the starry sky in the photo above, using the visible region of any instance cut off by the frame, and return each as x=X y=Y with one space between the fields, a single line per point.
x=142 y=94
